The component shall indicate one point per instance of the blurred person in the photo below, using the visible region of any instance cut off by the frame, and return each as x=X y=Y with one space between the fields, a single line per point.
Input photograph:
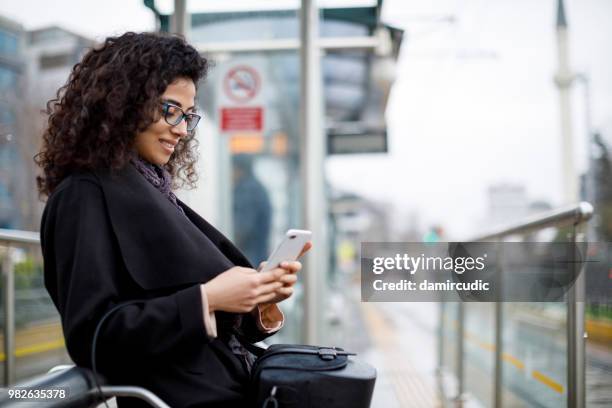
x=251 y=209
x=119 y=138
x=435 y=234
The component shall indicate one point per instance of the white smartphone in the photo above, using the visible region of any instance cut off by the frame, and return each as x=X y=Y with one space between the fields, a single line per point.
x=289 y=248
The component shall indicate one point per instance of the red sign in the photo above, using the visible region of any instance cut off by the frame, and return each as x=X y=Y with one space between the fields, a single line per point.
x=242 y=119
x=241 y=83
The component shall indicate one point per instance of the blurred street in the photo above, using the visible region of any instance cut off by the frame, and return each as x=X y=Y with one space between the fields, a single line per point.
x=399 y=340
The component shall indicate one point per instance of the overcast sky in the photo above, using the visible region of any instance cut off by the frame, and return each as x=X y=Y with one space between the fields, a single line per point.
x=473 y=104
x=459 y=124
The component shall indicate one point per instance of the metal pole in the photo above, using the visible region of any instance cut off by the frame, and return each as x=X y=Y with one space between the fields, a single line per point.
x=460 y=399
x=361 y=43
x=9 y=318
x=312 y=154
x=589 y=179
x=499 y=327
x=575 y=295
x=181 y=23
x=576 y=383
x=563 y=79
x=441 y=326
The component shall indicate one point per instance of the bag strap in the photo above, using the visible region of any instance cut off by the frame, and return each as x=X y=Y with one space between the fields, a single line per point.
x=256 y=350
x=325 y=353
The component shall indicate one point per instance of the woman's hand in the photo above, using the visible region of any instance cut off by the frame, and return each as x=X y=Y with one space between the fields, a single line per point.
x=289 y=278
x=287 y=272
x=239 y=289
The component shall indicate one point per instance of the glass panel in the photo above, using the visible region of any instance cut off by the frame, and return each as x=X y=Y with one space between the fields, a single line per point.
x=39 y=342
x=2 y=319
x=450 y=327
x=535 y=354
x=534 y=360
x=479 y=355
x=336 y=28
x=252 y=100
x=598 y=322
x=245 y=26
x=279 y=24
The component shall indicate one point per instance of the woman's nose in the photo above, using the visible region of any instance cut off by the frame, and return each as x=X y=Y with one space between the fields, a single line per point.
x=181 y=129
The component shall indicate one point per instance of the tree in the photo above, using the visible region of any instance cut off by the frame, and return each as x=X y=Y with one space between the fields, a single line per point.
x=602 y=195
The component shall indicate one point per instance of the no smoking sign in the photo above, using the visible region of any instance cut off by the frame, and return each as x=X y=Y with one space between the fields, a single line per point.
x=241 y=83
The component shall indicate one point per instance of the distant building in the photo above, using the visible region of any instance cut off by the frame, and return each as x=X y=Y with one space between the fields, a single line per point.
x=33 y=66
x=539 y=207
x=507 y=203
x=51 y=53
x=11 y=68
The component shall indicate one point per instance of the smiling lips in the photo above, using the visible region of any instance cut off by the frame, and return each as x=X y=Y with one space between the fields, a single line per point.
x=168 y=145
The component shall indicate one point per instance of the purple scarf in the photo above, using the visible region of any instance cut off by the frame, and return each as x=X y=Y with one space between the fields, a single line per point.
x=159 y=177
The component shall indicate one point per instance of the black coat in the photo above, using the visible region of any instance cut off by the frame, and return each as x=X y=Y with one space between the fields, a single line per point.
x=110 y=238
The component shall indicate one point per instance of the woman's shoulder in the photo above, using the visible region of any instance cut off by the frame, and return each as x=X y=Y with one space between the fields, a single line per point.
x=79 y=180
x=77 y=194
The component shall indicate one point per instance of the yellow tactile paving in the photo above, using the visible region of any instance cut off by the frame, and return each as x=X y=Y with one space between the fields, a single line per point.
x=36 y=339
x=410 y=388
x=546 y=380
x=518 y=364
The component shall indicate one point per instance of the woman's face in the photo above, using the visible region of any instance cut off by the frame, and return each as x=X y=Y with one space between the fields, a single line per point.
x=156 y=143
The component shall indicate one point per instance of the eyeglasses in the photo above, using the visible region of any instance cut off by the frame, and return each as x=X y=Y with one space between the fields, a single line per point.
x=174 y=115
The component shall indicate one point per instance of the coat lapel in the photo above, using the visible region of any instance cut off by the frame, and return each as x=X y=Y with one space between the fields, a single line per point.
x=162 y=248
x=217 y=238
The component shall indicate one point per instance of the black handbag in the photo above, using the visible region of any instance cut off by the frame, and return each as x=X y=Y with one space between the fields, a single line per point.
x=302 y=376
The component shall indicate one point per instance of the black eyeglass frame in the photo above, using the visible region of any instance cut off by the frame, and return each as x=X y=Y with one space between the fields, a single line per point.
x=166 y=110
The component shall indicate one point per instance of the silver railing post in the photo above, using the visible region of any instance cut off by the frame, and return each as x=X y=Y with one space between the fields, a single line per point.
x=441 y=325
x=499 y=326
x=8 y=282
x=8 y=238
x=575 y=333
x=460 y=356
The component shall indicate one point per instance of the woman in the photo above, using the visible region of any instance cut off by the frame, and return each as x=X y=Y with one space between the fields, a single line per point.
x=119 y=137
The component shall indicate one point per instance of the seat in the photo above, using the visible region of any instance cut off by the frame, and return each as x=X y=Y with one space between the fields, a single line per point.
x=80 y=389
x=77 y=382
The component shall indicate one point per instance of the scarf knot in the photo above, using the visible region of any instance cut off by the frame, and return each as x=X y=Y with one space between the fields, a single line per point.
x=159 y=178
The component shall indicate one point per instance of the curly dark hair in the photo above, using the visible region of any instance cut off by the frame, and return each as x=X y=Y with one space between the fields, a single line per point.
x=110 y=96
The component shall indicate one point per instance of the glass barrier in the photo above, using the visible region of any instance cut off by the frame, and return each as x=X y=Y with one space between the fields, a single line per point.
x=39 y=341
x=449 y=329
x=598 y=322
x=531 y=368
x=479 y=351
x=534 y=361
x=251 y=101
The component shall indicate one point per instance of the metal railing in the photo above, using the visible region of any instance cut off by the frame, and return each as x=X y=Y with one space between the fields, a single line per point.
x=8 y=238
x=574 y=216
